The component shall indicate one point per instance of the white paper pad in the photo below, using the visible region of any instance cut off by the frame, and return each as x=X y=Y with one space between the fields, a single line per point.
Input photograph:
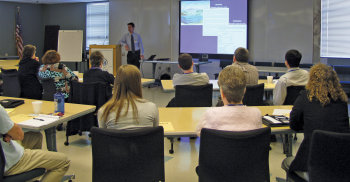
x=39 y=121
x=281 y=112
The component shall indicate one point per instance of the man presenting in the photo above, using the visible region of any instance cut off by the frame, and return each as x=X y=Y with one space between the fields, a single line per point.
x=133 y=44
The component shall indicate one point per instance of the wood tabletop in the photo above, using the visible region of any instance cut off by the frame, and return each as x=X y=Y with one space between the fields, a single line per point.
x=182 y=121
x=24 y=111
x=169 y=87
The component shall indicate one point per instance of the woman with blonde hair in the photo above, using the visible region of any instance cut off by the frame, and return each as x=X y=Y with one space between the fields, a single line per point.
x=322 y=106
x=127 y=109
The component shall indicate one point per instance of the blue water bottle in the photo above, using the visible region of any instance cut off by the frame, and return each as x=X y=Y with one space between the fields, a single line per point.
x=59 y=101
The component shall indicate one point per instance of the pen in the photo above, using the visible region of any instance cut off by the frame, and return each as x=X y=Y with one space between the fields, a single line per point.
x=38 y=119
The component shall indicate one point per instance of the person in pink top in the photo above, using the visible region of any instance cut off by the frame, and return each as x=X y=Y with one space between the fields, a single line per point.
x=233 y=116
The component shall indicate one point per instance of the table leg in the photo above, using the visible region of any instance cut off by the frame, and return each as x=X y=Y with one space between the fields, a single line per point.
x=288 y=145
x=50 y=134
x=154 y=70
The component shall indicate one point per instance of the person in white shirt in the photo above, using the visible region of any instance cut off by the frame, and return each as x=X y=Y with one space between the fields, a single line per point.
x=294 y=77
x=189 y=77
x=233 y=116
x=133 y=44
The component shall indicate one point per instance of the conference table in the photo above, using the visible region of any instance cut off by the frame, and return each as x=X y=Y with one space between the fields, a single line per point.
x=169 y=87
x=155 y=62
x=144 y=81
x=271 y=69
x=183 y=121
x=24 y=112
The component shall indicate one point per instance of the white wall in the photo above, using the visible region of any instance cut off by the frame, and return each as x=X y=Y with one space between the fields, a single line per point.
x=155 y=20
x=274 y=26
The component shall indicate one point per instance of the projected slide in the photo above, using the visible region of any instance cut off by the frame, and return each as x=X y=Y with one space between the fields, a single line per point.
x=335 y=28
x=213 y=27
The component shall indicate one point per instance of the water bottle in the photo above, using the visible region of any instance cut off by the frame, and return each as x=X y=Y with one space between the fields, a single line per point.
x=59 y=102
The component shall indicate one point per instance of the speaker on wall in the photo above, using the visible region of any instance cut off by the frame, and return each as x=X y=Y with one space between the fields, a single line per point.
x=51 y=37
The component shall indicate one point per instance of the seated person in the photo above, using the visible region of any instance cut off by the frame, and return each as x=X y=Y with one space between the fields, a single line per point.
x=294 y=77
x=189 y=77
x=19 y=160
x=233 y=116
x=322 y=106
x=127 y=109
x=28 y=74
x=241 y=58
x=96 y=74
x=60 y=73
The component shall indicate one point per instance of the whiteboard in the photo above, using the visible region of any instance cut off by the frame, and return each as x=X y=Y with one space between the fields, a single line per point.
x=70 y=45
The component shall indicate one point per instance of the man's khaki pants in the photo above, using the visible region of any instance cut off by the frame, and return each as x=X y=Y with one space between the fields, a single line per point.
x=56 y=164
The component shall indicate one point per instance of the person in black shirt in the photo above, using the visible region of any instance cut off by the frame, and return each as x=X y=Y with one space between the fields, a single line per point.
x=322 y=106
x=28 y=74
x=96 y=74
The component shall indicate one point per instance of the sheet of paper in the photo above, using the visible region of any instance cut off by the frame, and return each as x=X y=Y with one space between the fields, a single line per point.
x=39 y=121
x=9 y=110
x=284 y=112
x=168 y=126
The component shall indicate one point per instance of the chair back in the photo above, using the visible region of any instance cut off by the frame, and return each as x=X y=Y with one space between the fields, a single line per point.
x=49 y=89
x=127 y=155
x=11 y=86
x=263 y=63
x=292 y=94
x=193 y=96
x=254 y=95
x=234 y=156
x=329 y=157
x=279 y=64
x=306 y=65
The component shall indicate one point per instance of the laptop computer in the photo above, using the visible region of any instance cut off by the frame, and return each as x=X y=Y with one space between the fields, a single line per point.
x=151 y=57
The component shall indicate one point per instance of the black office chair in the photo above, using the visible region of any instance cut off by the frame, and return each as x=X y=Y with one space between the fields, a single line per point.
x=127 y=155
x=26 y=176
x=263 y=63
x=305 y=65
x=89 y=94
x=329 y=157
x=193 y=96
x=234 y=156
x=11 y=86
x=49 y=89
x=279 y=65
x=292 y=94
x=254 y=95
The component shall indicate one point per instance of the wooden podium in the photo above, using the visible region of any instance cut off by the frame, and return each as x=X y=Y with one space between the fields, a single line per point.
x=112 y=54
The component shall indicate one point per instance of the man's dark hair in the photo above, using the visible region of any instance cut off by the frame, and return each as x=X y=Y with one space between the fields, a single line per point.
x=242 y=55
x=28 y=51
x=293 y=58
x=132 y=24
x=185 y=61
x=96 y=58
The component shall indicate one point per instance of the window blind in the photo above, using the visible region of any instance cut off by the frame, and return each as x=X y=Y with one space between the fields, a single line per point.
x=97 y=24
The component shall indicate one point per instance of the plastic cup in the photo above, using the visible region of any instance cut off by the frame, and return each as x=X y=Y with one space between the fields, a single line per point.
x=269 y=79
x=37 y=106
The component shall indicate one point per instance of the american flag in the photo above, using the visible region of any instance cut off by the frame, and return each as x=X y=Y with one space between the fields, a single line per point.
x=18 y=35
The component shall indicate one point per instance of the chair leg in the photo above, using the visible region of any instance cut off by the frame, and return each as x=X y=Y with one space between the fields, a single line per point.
x=66 y=143
x=171 y=151
x=295 y=137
